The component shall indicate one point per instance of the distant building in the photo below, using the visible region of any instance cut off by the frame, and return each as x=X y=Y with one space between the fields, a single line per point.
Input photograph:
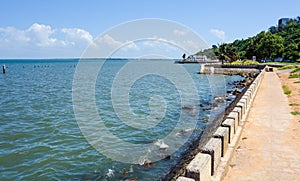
x=196 y=58
x=201 y=58
x=283 y=21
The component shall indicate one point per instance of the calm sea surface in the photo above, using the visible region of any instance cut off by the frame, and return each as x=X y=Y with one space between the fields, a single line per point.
x=40 y=138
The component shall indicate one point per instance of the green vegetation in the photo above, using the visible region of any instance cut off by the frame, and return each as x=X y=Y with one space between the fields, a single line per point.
x=279 y=41
x=294 y=104
x=283 y=63
x=297 y=82
x=209 y=53
x=245 y=62
x=286 y=67
x=292 y=76
x=296 y=70
x=295 y=113
x=286 y=90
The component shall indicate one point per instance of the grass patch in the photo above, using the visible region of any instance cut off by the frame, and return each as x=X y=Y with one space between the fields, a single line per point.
x=283 y=63
x=294 y=104
x=295 y=113
x=292 y=76
x=286 y=90
x=286 y=67
x=250 y=62
x=297 y=82
x=245 y=62
x=236 y=63
x=296 y=70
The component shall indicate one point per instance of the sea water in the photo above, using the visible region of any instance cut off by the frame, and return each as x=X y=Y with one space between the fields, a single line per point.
x=40 y=138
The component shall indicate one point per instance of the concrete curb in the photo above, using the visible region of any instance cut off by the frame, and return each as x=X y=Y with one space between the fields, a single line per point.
x=212 y=163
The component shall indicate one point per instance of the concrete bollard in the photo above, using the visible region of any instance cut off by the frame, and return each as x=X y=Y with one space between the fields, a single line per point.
x=213 y=148
x=223 y=134
x=239 y=111
x=249 y=94
x=199 y=168
x=252 y=87
x=243 y=108
x=184 y=179
x=248 y=98
x=244 y=101
x=235 y=117
x=230 y=124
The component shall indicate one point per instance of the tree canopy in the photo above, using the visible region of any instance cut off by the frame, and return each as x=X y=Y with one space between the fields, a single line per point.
x=279 y=41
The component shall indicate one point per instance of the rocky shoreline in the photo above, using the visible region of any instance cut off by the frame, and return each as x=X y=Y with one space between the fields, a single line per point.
x=231 y=98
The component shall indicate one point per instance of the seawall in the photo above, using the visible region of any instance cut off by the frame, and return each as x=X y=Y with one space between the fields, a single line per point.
x=211 y=161
x=230 y=69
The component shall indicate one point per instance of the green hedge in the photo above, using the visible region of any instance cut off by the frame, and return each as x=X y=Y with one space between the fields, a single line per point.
x=245 y=62
x=295 y=70
x=286 y=67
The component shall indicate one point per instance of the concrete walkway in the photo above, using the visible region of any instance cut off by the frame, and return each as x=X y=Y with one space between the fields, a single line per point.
x=268 y=149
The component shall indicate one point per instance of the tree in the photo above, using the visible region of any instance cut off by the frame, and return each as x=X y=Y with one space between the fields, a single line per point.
x=291 y=52
x=228 y=52
x=271 y=46
x=273 y=29
x=279 y=41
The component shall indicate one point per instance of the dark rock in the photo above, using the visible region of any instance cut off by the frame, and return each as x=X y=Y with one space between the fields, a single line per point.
x=205 y=120
x=187 y=107
x=131 y=179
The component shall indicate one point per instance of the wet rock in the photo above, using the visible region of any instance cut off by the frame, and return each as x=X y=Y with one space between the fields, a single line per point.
x=205 y=120
x=214 y=105
x=146 y=163
x=131 y=179
x=188 y=107
x=162 y=145
x=219 y=99
x=237 y=91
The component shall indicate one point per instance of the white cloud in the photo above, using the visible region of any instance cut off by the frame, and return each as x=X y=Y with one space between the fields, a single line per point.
x=41 y=39
x=36 y=34
x=39 y=34
x=76 y=34
x=218 y=33
x=110 y=41
x=11 y=33
x=106 y=45
x=179 y=32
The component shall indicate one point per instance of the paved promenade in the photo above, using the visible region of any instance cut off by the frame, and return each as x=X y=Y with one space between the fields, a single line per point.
x=269 y=148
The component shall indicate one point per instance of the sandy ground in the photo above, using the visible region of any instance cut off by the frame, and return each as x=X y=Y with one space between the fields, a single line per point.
x=294 y=98
x=269 y=148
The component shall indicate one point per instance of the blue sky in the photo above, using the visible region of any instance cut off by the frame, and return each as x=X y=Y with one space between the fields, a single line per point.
x=64 y=28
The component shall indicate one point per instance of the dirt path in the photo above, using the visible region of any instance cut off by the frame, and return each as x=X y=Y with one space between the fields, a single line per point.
x=269 y=148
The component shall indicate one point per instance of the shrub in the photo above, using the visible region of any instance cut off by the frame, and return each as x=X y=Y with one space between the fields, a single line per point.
x=286 y=90
x=245 y=62
x=294 y=104
x=236 y=63
x=295 y=70
x=295 y=113
x=286 y=67
x=292 y=76
x=250 y=62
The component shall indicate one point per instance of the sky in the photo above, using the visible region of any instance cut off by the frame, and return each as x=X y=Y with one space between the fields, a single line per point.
x=65 y=28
